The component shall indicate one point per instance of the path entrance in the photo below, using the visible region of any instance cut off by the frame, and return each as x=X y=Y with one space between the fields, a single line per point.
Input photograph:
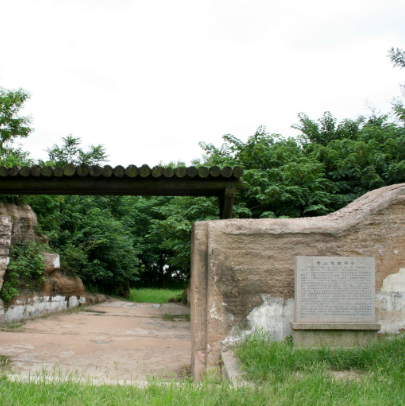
x=115 y=340
x=135 y=350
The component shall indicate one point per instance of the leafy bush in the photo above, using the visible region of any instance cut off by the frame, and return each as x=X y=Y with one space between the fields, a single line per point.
x=25 y=270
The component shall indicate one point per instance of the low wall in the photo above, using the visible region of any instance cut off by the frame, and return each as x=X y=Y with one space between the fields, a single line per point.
x=242 y=271
x=39 y=306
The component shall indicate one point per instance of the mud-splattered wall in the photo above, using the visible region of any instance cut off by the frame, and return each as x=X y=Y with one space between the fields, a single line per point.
x=243 y=270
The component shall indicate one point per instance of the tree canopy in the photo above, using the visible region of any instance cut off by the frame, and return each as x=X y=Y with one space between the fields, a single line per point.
x=12 y=125
x=71 y=152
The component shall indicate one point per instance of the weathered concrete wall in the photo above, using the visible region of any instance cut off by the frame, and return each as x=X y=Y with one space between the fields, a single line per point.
x=38 y=306
x=243 y=270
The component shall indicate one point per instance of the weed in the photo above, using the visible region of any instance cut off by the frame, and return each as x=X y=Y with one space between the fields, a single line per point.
x=12 y=326
x=174 y=317
x=168 y=316
x=5 y=363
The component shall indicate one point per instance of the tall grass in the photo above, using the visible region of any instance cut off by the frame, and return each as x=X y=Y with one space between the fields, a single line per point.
x=315 y=388
x=377 y=371
x=146 y=295
x=266 y=359
x=70 y=393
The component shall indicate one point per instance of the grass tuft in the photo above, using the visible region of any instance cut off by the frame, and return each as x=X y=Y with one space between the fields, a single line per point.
x=168 y=316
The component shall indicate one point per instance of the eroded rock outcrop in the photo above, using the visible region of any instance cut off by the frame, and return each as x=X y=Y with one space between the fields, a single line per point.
x=23 y=221
x=5 y=241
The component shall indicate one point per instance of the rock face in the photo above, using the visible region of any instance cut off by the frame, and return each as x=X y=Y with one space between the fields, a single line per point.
x=244 y=269
x=5 y=240
x=59 y=284
x=51 y=262
x=24 y=222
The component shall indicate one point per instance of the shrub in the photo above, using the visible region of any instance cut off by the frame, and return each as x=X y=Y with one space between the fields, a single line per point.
x=25 y=270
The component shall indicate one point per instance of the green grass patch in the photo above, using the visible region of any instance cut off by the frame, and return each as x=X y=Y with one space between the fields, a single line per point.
x=281 y=374
x=147 y=295
x=264 y=359
x=72 y=394
x=316 y=388
x=371 y=375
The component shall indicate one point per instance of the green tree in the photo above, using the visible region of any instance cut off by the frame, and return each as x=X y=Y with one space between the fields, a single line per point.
x=280 y=179
x=397 y=57
x=329 y=165
x=371 y=156
x=138 y=214
x=94 y=244
x=71 y=152
x=12 y=124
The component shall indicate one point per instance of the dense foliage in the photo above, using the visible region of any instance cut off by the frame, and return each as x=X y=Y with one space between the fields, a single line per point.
x=25 y=270
x=324 y=169
x=12 y=124
x=112 y=242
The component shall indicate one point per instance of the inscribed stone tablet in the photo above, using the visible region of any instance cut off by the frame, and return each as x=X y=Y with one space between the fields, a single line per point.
x=334 y=289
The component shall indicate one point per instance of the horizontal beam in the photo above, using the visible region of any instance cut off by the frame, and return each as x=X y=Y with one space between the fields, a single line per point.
x=137 y=186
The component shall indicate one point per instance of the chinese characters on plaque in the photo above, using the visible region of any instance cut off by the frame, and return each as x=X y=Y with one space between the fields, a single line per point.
x=334 y=289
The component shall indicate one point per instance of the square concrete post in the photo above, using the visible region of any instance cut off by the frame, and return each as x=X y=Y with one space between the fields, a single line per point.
x=199 y=278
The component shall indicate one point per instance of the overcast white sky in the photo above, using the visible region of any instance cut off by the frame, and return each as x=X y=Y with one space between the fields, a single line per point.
x=149 y=79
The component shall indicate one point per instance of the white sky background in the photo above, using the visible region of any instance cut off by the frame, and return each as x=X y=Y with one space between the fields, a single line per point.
x=149 y=79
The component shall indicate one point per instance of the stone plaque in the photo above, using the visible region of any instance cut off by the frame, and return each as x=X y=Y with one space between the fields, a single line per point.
x=334 y=289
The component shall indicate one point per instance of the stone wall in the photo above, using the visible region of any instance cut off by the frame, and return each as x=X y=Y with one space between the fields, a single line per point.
x=243 y=270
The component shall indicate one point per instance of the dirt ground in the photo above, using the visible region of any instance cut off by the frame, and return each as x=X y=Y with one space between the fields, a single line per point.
x=115 y=340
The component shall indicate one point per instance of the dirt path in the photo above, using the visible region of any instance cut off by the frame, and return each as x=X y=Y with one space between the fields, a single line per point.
x=113 y=340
